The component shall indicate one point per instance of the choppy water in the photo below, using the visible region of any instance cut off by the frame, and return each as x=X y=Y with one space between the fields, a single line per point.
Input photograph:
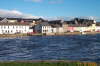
x=77 y=47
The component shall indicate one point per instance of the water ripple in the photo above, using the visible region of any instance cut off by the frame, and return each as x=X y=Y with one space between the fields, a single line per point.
x=76 y=47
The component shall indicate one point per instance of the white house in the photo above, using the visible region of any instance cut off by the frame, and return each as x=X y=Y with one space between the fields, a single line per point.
x=48 y=29
x=13 y=28
x=52 y=29
x=98 y=28
x=45 y=28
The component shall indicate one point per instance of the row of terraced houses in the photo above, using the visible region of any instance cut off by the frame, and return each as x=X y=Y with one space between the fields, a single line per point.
x=19 y=25
x=16 y=25
x=61 y=26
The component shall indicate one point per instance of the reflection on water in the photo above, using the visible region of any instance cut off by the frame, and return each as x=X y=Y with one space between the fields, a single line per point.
x=76 y=47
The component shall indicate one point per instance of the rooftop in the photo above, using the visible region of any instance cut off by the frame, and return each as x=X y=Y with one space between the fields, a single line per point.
x=14 y=23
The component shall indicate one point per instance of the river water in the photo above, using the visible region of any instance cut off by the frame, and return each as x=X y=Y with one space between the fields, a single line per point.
x=73 y=47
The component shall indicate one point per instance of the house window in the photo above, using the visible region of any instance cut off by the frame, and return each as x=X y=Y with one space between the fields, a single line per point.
x=8 y=27
x=1 y=27
x=20 y=31
x=11 y=30
x=16 y=26
x=13 y=26
x=44 y=30
x=2 y=30
x=52 y=30
x=8 y=31
x=4 y=26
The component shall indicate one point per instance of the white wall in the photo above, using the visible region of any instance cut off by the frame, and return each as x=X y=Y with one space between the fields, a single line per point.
x=54 y=30
x=11 y=29
x=49 y=29
x=46 y=29
x=97 y=28
x=61 y=30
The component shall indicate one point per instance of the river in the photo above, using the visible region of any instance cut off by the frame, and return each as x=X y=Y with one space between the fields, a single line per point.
x=72 y=47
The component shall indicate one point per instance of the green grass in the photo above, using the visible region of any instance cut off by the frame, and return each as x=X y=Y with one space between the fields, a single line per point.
x=46 y=64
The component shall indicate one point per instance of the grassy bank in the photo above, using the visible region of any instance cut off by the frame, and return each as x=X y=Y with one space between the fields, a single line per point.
x=47 y=64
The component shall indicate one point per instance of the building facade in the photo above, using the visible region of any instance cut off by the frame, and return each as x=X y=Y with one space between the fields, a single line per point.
x=13 y=28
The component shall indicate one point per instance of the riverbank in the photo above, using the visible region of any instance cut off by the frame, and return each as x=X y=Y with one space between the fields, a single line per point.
x=12 y=35
x=40 y=34
x=74 y=33
x=47 y=63
x=84 y=33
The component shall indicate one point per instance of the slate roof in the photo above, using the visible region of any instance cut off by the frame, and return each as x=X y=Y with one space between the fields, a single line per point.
x=14 y=23
x=24 y=19
x=98 y=24
x=77 y=25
